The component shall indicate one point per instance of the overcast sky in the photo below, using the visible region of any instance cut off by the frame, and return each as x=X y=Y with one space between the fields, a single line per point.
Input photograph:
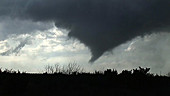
x=97 y=35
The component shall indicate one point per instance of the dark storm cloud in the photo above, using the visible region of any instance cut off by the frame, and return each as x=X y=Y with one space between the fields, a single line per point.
x=100 y=24
x=10 y=26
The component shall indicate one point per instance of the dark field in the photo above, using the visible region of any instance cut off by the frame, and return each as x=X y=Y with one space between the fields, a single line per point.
x=108 y=83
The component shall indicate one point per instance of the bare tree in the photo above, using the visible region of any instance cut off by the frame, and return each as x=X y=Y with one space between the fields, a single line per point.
x=71 y=68
x=57 y=68
x=46 y=68
x=49 y=69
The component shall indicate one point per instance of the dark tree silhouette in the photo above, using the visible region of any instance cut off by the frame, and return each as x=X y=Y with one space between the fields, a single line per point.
x=126 y=72
x=141 y=71
x=72 y=81
x=111 y=72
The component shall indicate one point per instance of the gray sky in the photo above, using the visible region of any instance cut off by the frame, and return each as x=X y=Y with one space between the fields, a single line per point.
x=112 y=34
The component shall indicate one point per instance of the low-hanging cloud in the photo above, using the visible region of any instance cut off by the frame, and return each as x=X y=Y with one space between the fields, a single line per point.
x=100 y=24
x=17 y=49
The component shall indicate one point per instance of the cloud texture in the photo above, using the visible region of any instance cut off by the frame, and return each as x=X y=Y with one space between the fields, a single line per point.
x=100 y=24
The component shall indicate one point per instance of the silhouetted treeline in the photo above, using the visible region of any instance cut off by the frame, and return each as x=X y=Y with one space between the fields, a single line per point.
x=73 y=69
x=136 y=82
x=10 y=71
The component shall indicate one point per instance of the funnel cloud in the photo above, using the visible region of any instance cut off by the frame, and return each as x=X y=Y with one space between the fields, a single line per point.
x=101 y=25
